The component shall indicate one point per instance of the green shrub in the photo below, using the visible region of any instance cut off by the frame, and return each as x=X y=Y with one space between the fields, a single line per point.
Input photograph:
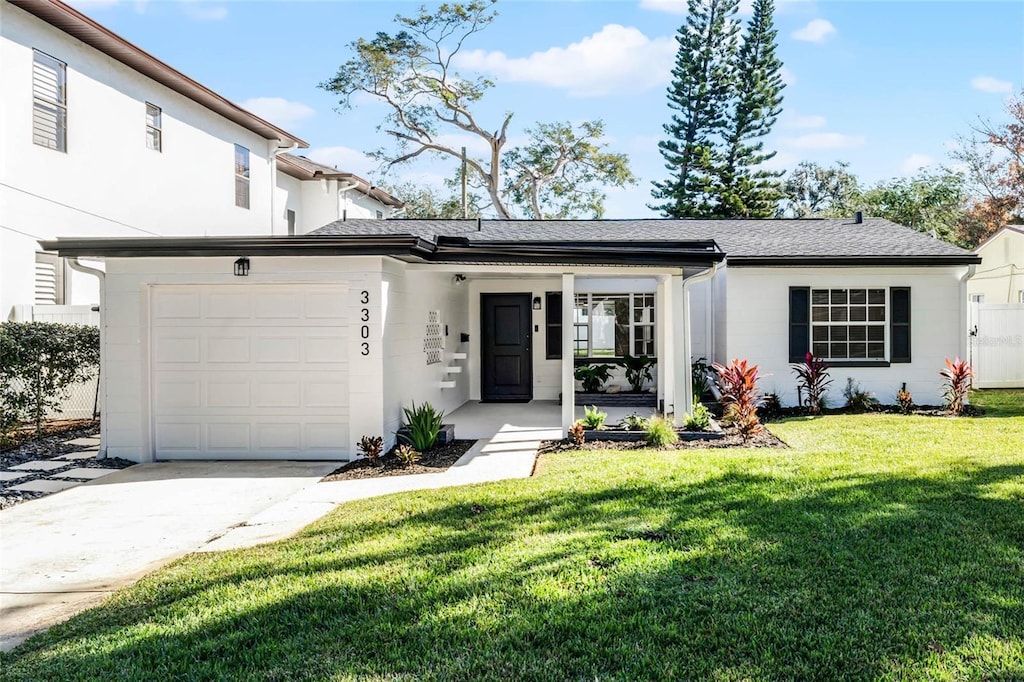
x=856 y=399
x=770 y=407
x=423 y=423
x=638 y=370
x=577 y=433
x=700 y=377
x=593 y=376
x=371 y=447
x=661 y=432
x=698 y=420
x=593 y=418
x=41 y=361
x=634 y=422
x=407 y=454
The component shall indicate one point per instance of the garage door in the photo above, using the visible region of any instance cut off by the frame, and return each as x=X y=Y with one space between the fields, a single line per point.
x=249 y=372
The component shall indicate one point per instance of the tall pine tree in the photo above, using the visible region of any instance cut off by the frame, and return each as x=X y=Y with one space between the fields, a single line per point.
x=701 y=92
x=744 y=189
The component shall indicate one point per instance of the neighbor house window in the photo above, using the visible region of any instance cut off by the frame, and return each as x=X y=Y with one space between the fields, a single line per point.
x=380 y=215
x=49 y=102
x=613 y=325
x=49 y=288
x=977 y=298
x=154 y=127
x=290 y=215
x=241 y=176
x=1020 y=296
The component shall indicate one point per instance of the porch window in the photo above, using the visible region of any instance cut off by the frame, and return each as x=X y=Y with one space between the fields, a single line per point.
x=613 y=325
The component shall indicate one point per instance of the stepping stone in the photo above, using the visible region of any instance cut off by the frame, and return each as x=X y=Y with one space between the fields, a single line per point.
x=84 y=454
x=89 y=473
x=11 y=475
x=44 y=485
x=84 y=442
x=39 y=465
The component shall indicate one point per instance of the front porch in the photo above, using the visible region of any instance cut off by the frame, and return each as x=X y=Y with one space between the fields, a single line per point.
x=517 y=424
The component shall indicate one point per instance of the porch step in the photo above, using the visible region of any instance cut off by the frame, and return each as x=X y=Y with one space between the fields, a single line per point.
x=458 y=356
x=453 y=369
x=446 y=384
x=617 y=399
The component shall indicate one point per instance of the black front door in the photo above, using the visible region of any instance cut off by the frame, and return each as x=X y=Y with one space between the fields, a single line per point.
x=506 y=365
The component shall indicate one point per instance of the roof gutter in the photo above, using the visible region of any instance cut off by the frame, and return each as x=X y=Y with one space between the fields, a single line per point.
x=862 y=261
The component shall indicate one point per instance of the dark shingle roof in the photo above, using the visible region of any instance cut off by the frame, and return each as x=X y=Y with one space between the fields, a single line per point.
x=739 y=239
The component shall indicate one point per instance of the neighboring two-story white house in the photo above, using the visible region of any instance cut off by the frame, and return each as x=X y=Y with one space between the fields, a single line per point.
x=101 y=139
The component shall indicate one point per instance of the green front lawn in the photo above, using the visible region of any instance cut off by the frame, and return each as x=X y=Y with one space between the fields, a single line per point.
x=878 y=546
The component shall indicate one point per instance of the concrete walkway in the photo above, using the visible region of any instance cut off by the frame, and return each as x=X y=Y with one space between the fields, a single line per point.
x=67 y=552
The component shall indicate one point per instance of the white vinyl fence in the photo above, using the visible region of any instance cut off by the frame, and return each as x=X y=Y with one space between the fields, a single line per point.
x=83 y=401
x=997 y=344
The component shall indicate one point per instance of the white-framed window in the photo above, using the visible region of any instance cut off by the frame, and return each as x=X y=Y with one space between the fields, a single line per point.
x=241 y=176
x=154 y=128
x=49 y=102
x=613 y=325
x=977 y=298
x=848 y=324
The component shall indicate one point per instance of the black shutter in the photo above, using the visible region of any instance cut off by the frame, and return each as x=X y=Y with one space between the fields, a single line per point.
x=899 y=321
x=553 y=325
x=799 y=323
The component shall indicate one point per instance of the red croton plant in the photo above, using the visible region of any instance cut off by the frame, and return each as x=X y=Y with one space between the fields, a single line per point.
x=737 y=382
x=957 y=375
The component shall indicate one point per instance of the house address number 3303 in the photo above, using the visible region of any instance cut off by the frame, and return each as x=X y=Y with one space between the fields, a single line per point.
x=364 y=316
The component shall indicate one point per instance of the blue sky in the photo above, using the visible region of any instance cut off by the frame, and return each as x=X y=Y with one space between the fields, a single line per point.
x=884 y=85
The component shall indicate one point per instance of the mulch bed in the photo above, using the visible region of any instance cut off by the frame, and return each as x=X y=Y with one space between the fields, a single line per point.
x=731 y=439
x=433 y=461
x=916 y=410
x=53 y=431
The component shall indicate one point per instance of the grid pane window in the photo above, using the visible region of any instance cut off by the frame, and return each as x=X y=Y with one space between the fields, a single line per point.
x=848 y=324
x=613 y=325
x=49 y=102
x=241 y=176
x=154 y=127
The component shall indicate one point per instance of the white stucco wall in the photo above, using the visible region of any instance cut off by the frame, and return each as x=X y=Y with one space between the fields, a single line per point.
x=758 y=326
x=1000 y=276
x=409 y=296
x=109 y=183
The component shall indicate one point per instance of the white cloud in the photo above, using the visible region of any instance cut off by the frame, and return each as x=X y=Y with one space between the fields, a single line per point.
x=799 y=121
x=615 y=60
x=345 y=159
x=916 y=162
x=825 y=141
x=782 y=161
x=199 y=11
x=679 y=7
x=990 y=84
x=816 y=31
x=278 y=110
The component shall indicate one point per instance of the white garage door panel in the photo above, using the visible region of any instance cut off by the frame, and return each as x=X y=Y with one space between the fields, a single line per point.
x=249 y=372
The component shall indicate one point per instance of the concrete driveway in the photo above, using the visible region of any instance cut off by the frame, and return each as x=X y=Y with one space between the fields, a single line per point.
x=66 y=552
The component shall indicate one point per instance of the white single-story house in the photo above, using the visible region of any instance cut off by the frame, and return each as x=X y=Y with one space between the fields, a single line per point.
x=295 y=347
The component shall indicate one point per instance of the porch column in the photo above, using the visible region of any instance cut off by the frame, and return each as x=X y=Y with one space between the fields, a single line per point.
x=665 y=349
x=681 y=347
x=568 y=380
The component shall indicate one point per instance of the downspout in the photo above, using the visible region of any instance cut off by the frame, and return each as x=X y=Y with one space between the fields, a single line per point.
x=687 y=343
x=77 y=266
x=965 y=321
x=343 y=189
x=276 y=151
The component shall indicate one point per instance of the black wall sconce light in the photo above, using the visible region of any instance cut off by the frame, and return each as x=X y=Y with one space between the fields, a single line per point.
x=242 y=267
x=536 y=302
